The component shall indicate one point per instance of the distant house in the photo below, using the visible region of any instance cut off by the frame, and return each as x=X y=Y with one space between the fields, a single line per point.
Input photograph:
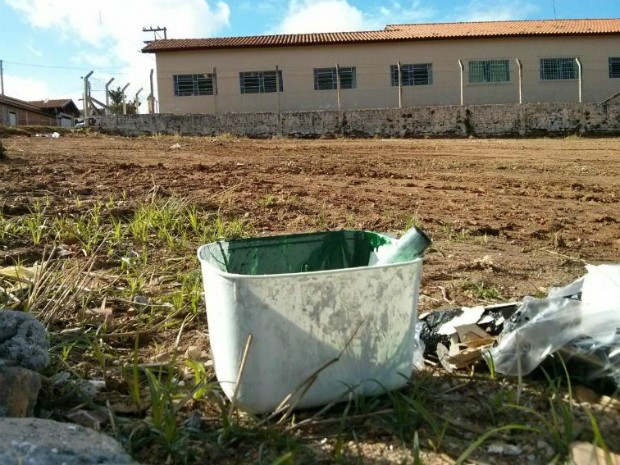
x=65 y=110
x=403 y=65
x=15 y=112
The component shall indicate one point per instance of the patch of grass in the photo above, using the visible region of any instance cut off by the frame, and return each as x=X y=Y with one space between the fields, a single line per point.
x=454 y=233
x=268 y=200
x=483 y=291
x=414 y=221
x=122 y=297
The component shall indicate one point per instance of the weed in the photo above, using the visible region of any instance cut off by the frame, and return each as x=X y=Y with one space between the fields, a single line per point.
x=163 y=414
x=455 y=233
x=321 y=221
x=149 y=252
x=268 y=201
x=136 y=284
x=413 y=221
x=35 y=225
x=193 y=218
x=482 y=290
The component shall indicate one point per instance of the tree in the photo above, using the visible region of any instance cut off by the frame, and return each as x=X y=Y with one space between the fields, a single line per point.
x=116 y=103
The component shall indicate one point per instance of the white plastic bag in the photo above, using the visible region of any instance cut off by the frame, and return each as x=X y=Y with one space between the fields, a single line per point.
x=588 y=328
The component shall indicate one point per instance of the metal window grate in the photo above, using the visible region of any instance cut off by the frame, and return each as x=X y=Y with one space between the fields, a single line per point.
x=558 y=68
x=260 y=82
x=325 y=78
x=489 y=71
x=193 y=84
x=614 y=67
x=420 y=74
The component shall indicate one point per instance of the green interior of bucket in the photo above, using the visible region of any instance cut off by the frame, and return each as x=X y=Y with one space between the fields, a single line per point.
x=294 y=253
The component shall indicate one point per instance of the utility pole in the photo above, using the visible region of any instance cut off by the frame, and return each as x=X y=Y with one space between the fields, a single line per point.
x=1 y=79
x=155 y=31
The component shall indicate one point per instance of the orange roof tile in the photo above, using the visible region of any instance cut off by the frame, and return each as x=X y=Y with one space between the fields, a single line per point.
x=511 y=28
x=400 y=32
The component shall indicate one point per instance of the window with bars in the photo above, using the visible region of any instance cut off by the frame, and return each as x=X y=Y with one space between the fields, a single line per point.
x=489 y=71
x=420 y=74
x=614 y=67
x=326 y=79
x=552 y=69
x=260 y=82
x=193 y=84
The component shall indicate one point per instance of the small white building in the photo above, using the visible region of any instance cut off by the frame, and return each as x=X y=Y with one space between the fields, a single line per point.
x=401 y=66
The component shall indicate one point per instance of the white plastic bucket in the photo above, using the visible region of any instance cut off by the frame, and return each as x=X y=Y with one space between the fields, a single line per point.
x=301 y=321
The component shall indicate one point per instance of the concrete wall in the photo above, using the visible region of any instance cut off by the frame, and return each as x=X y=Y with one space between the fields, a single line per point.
x=431 y=121
x=372 y=62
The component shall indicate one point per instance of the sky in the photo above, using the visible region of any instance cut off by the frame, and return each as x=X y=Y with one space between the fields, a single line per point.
x=47 y=46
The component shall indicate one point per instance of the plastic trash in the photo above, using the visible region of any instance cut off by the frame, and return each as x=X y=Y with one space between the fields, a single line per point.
x=55 y=135
x=580 y=321
x=410 y=246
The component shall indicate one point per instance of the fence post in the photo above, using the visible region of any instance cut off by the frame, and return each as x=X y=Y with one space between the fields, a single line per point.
x=338 y=85
x=578 y=61
x=520 y=68
x=400 y=86
x=462 y=82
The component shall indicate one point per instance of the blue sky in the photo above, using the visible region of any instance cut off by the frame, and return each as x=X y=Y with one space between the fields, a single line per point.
x=48 y=45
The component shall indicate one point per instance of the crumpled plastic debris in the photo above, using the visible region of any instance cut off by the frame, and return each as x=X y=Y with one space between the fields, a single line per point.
x=457 y=337
x=581 y=321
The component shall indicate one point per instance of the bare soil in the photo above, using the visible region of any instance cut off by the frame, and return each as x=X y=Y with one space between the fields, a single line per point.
x=535 y=208
x=508 y=218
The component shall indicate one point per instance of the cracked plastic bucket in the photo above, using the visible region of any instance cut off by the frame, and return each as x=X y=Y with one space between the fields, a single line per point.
x=313 y=307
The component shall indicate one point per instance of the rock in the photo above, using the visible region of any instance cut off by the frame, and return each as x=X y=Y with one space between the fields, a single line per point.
x=19 y=388
x=583 y=394
x=23 y=340
x=34 y=441
x=584 y=453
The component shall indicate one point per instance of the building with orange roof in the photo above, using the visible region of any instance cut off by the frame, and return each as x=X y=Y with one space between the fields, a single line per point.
x=403 y=65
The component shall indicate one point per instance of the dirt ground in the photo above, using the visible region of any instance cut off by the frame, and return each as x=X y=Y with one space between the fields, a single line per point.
x=511 y=217
x=508 y=218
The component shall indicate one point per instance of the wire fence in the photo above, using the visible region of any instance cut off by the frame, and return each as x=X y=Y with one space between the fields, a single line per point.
x=439 y=78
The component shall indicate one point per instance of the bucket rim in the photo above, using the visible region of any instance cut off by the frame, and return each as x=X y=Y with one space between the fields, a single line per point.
x=358 y=269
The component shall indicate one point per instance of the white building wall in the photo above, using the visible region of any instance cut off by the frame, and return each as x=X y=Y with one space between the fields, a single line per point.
x=372 y=62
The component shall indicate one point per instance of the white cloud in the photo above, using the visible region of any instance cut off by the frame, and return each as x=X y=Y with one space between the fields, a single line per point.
x=413 y=11
x=36 y=52
x=26 y=88
x=495 y=10
x=96 y=60
x=110 y=32
x=339 y=15
x=320 y=16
